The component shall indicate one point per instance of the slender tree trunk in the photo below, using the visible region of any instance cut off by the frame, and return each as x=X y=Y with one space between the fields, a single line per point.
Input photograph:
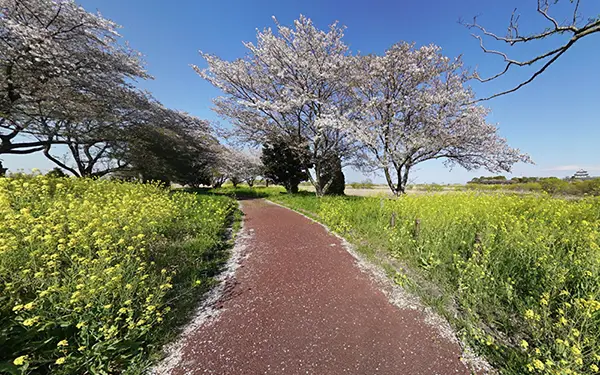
x=399 y=187
x=388 y=178
x=327 y=185
x=314 y=181
x=403 y=179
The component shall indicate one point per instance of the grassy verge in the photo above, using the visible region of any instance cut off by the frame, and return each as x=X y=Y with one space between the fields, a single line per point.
x=518 y=276
x=246 y=192
x=96 y=275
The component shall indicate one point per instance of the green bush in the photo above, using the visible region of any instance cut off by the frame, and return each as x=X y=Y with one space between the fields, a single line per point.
x=366 y=184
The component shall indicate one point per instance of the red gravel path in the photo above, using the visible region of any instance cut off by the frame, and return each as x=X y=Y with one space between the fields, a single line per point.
x=300 y=305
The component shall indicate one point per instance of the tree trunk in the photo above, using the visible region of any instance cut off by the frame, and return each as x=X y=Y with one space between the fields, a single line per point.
x=399 y=187
x=58 y=162
x=218 y=182
x=403 y=179
x=336 y=182
x=314 y=181
x=291 y=187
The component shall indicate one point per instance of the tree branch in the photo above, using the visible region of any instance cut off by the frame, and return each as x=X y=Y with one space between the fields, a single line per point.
x=58 y=162
x=543 y=6
x=534 y=76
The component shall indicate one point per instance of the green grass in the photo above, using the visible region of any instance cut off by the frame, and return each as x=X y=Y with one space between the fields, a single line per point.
x=361 y=185
x=518 y=276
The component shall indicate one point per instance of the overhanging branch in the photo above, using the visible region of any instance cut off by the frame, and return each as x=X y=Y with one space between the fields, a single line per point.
x=513 y=37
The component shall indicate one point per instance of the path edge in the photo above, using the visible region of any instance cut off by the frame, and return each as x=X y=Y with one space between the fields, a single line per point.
x=206 y=313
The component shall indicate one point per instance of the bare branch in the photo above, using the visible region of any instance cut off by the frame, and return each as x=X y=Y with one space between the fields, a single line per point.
x=23 y=152
x=513 y=37
x=58 y=162
x=575 y=13
x=542 y=8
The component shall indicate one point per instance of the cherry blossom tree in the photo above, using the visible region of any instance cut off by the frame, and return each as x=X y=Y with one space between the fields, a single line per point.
x=224 y=166
x=573 y=29
x=168 y=145
x=290 y=86
x=240 y=166
x=252 y=167
x=55 y=56
x=92 y=134
x=413 y=106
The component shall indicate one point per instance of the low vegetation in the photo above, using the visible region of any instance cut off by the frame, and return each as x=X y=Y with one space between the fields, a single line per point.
x=519 y=276
x=366 y=184
x=94 y=274
x=550 y=185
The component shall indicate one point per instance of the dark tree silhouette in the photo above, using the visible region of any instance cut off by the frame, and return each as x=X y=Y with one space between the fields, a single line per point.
x=283 y=165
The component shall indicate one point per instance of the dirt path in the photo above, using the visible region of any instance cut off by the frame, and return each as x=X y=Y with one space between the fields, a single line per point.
x=299 y=304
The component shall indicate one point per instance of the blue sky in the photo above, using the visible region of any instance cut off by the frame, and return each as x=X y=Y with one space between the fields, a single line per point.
x=554 y=119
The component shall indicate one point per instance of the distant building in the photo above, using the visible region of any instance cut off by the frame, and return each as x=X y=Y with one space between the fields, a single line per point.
x=581 y=175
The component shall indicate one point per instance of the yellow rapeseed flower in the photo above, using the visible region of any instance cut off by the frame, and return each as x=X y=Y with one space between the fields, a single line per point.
x=529 y=314
x=19 y=361
x=538 y=364
x=31 y=321
x=524 y=344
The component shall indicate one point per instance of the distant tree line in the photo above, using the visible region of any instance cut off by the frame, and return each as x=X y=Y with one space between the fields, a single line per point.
x=502 y=180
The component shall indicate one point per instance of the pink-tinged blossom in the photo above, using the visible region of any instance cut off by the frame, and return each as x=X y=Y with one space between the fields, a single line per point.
x=412 y=106
x=57 y=61
x=290 y=85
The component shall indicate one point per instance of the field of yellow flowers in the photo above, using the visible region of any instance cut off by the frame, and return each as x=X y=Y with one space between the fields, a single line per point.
x=90 y=270
x=519 y=276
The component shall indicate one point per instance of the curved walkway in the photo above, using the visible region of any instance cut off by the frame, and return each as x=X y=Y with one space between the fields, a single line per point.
x=299 y=304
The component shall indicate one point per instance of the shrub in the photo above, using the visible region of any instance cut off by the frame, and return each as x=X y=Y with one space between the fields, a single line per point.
x=431 y=187
x=554 y=185
x=56 y=172
x=366 y=184
x=90 y=270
